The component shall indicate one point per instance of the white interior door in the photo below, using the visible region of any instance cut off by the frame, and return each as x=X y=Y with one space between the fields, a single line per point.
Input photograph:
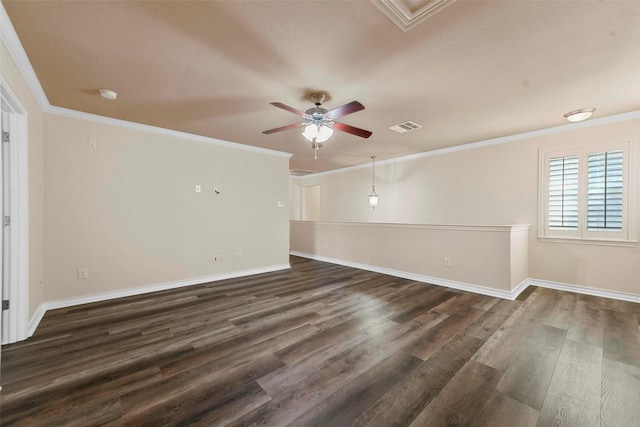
x=6 y=227
x=14 y=213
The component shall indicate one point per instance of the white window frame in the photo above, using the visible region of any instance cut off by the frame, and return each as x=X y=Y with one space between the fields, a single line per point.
x=628 y=236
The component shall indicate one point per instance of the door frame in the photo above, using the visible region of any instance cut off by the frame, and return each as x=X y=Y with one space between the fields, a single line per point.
x=18 y=318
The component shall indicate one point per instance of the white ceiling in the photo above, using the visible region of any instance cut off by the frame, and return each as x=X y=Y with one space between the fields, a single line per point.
x=474 y=70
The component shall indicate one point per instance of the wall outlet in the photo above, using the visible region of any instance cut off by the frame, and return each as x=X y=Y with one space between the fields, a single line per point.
x=280 y=204
x=447 y=262
x=218 y=258
x=83 y=273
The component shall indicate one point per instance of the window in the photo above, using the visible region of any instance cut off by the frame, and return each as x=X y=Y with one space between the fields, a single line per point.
x=586 y=193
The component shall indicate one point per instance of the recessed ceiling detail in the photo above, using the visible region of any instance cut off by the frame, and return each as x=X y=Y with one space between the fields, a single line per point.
x=406 y=14
x=301 y=172
x=405 y=127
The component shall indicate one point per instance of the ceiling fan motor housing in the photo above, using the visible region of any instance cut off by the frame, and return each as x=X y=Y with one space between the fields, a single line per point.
x=318 y=98
x=316 y=115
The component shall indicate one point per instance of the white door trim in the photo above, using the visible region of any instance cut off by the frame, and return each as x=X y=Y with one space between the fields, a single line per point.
x=19 y=244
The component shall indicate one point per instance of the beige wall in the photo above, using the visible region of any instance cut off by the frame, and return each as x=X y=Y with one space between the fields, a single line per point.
x=127 y=210
x=491 y=185
x=17 y=85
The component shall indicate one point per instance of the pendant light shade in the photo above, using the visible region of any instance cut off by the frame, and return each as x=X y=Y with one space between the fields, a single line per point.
x=373 y=197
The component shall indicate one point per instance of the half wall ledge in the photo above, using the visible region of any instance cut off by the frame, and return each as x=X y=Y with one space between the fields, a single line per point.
x=487 y=259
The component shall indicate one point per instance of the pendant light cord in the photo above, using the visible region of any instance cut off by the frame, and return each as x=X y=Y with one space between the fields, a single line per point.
x=373 y=176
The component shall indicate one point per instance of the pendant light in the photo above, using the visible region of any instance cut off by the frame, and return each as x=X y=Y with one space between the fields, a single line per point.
x=373 y=197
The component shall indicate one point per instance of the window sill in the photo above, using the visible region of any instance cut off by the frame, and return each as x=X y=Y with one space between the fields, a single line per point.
x=587 y=241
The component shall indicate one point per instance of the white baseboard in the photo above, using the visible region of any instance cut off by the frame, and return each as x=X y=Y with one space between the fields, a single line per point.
x=477 y=288
x=583 y=290
x=35 y=319
x=469 y=287
x=42 y=308
x=69 y=302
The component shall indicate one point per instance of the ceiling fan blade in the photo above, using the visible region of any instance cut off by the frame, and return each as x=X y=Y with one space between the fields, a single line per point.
x=349 y=108
x=290 y=109
x=352 y=130
x=280 y=129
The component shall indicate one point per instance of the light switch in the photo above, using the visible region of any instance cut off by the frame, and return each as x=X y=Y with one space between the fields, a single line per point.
x=91 y=143
x=281 y=204
x=198 y=189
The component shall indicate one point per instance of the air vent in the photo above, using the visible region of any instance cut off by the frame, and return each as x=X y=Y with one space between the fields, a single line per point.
x=301 y=172
x=405 y=127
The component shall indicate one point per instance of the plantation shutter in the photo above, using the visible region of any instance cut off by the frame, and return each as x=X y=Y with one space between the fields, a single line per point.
x=563 y=193
x=605 y=191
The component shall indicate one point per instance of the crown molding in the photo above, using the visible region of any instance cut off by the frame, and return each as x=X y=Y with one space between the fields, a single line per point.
x=14 y=46
x=631 y=115
x=74 y=114
x=10 y=39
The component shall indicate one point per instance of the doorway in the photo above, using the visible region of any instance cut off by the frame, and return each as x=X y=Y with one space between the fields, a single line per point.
x=14 y=219
x=310 y=202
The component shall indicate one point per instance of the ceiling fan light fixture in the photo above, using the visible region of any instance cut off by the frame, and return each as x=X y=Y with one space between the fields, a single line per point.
x=310 y=132
x=318 y=133
x=319 y=123
x=324 y=133
x=579 y=115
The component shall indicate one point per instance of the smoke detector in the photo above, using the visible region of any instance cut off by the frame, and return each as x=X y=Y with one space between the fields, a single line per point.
x=108 y=94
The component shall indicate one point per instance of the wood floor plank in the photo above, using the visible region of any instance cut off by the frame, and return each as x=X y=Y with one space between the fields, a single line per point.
x=562 y=314
x=325 y=344
x=620 y=394
x=502 y=411
x=488 y=323
x=417 y=306
x=439 y=334
x=348 y=402
x=463 y=398
x=405 y=401
x=621 y=340
x=300 y=365
x=587 y=325
x=574 y=395
x=527 y=378
x=501 y=347
x=185 y=394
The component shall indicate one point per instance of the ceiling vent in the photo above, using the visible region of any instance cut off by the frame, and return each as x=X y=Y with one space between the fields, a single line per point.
x=404 y=127
x=301 y=172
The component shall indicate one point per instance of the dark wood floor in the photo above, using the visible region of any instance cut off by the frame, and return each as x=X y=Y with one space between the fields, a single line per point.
x=326 y=345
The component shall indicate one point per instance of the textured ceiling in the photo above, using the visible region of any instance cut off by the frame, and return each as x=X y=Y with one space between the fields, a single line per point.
x=473 y=71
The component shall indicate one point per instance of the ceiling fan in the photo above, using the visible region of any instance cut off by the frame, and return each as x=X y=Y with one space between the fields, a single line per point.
x=319 y=123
